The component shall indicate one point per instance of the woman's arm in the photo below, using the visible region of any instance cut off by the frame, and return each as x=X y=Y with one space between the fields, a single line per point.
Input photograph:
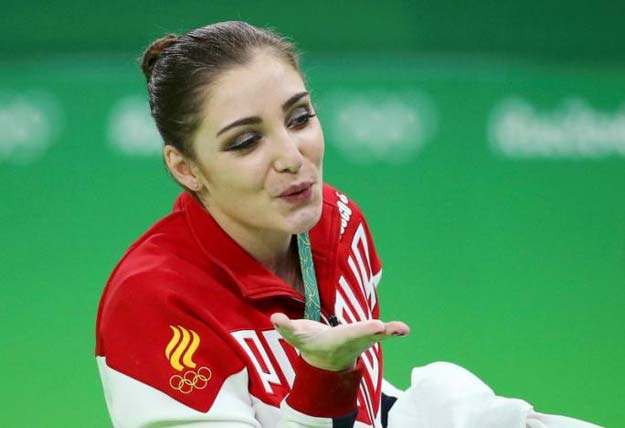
x=321 y=397
x=329 y=371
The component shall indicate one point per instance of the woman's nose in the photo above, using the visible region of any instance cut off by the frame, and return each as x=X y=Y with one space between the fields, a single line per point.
x=288 y=156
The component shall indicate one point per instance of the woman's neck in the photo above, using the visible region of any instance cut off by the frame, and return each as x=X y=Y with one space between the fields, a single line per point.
x=275 y=250
x=284 y=262
x=290 y=271
x=271 y=249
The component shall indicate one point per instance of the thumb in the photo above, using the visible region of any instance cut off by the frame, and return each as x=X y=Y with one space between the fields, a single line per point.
x=281 y=321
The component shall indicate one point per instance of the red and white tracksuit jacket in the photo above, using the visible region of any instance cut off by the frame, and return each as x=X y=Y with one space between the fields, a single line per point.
x=183 y=336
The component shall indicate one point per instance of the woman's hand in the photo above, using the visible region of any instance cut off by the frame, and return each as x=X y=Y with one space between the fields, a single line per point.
x=334 y=348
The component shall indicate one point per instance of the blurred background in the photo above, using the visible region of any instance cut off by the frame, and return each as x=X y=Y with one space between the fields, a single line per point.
x=485 y=143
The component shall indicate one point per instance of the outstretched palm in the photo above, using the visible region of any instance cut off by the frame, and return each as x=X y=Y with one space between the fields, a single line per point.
x=334 y=348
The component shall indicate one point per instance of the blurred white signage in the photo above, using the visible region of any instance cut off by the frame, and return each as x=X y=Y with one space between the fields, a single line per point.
x=574 y=129
x=131 y=128
x=29 y=122
x=377 y=126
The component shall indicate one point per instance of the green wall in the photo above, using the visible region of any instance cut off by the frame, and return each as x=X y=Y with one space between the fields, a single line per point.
x=493 y=184
x=570 y=30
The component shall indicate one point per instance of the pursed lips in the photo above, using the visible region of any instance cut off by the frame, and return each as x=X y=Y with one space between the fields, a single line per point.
x=296 y=188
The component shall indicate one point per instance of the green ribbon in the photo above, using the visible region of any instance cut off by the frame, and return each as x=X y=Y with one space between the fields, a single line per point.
x=312 y=307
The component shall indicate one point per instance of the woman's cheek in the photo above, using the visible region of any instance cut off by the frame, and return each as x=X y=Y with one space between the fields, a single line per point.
x=313 y=146
x=255 y=174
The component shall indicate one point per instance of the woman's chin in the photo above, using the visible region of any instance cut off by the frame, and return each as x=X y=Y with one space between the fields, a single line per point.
x=305 y=220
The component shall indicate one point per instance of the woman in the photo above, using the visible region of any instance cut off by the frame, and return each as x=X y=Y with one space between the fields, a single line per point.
x=201 y=322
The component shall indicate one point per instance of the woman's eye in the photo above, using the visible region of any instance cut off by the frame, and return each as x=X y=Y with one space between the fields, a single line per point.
x=243 y=142
x=300 y=118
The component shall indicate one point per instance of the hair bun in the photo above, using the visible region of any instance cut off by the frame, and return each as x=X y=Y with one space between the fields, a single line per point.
x=153 y=52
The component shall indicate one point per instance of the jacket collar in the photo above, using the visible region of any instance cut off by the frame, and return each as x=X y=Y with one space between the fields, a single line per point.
x=252 y=277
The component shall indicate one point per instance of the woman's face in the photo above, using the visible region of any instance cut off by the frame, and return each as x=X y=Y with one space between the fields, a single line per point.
x=259 y=149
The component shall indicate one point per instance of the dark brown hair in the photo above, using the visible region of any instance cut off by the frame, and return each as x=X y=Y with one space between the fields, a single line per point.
x=179 y=68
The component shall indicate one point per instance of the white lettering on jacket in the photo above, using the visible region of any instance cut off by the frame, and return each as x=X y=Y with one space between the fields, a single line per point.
x=360 y=266
x=344 y=210
x=255 y=347
x=355 y=301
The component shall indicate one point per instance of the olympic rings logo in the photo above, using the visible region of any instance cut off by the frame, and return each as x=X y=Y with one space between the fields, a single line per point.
x=191 y=380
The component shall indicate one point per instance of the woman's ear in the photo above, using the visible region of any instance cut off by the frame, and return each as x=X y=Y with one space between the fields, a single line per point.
x=182 y=168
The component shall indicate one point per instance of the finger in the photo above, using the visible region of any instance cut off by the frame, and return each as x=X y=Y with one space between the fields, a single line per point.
x=396 y=328
x=361 y=340
x=370 y=335
x=363 y=330
x=281 y=321
x=287 y=328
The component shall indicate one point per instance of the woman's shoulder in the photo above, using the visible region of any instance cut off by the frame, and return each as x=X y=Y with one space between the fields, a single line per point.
x=161 y=255
x=341 y=222
x=337 y=198
x=164 y=241
x=339 y=202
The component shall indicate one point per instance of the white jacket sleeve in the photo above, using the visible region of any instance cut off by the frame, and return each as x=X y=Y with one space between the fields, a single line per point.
x=444 y=395
x=134 y=404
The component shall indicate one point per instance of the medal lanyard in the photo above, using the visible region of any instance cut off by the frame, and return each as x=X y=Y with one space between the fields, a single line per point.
x=312 y=307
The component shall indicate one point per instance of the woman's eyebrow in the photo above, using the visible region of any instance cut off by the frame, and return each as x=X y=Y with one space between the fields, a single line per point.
x=240 y=122
x=295 y=98
x=252 y=120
